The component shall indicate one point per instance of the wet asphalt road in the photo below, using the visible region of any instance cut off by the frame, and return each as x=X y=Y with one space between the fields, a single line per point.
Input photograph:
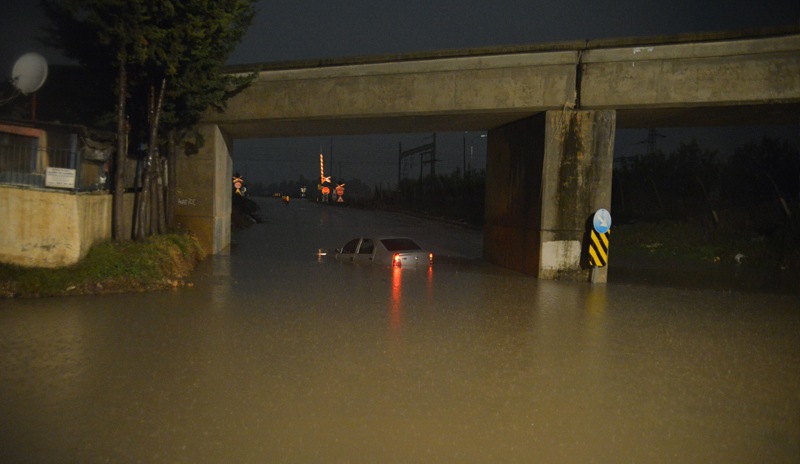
x=277 y=354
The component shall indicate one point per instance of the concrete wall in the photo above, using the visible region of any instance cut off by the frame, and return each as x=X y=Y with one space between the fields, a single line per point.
x=51 y=228
x=546 y=176
x=204 y=190
x=512 y=227
x=576 y=182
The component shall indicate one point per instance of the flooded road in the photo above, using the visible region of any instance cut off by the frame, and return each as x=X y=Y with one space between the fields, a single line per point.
x=277 y=354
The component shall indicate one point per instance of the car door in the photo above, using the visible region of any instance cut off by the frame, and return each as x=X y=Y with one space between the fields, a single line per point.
x=365 y=252
x=348 y=252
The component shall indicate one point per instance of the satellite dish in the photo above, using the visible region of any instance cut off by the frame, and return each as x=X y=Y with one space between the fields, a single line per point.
x=29 y=73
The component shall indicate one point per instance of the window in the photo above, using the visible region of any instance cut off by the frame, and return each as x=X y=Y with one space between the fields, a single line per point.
x=351 y=246
x=367 y=247
x=400 y=244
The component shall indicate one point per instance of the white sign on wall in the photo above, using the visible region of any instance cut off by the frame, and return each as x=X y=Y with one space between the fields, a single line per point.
x=60 y=178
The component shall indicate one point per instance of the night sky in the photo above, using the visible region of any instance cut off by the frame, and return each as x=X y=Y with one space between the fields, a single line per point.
x=286 y=30
x=302 y=29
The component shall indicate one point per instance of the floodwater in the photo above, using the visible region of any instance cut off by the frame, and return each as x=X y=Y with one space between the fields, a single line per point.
x=278 y=354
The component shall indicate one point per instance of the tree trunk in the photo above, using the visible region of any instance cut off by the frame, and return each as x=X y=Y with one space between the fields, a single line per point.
x=172 y=180
x=145 y=199
x=160 y=217
x=118 y=206
x=155 y=201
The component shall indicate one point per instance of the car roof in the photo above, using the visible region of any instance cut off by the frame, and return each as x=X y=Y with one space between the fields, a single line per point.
x=388 y=237
x=400 y=244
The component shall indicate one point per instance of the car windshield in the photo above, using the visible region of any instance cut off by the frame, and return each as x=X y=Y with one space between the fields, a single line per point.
x=400 y=244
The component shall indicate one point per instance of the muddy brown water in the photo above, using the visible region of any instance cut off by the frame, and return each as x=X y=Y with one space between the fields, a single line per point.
x=278 y=354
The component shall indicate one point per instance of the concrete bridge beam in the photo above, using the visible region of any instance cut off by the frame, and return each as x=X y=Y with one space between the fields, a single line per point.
x=546 y=176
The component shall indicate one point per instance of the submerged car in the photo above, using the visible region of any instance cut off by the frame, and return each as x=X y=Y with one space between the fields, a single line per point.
x=388 y=251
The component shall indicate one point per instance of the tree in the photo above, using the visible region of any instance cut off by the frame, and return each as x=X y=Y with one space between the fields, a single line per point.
x=211 y=38
x=105 y=36
x=693 y=173
x=167 y=57
x=769 y=169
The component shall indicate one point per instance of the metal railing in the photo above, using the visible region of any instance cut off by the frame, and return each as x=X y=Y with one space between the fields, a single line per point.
x=27 y=164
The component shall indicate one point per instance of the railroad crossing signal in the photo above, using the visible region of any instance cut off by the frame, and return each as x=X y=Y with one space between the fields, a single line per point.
x=238 y=183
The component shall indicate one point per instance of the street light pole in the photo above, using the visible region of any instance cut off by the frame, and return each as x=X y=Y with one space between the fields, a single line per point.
x=464 y=153
x=472 y=146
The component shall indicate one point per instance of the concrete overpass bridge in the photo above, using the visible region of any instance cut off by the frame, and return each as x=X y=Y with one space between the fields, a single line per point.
x=550 y=110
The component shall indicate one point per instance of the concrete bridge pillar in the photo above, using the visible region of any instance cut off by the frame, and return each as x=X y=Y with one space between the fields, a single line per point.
x=204 y=190
x=546 y=176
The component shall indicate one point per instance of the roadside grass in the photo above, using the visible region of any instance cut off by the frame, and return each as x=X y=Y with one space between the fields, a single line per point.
x=682 y=242
x=159 y=262
x=690 y=242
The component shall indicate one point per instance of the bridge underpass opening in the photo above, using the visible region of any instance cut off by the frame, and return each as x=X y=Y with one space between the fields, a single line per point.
x=372 y=159
x=453 y=152
x=520 y=230
x=551 y=112
x=367 y=163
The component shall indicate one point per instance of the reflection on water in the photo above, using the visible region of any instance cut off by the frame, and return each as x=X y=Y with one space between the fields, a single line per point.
x=274 y=356
x=395 y=306
x=596 y=300
x=429 y=282
x=418 y=290
x=222 y=281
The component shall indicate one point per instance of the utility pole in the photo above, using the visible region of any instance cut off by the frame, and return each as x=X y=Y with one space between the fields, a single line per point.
x=652 y=137
x=399 y=162
x=430 y=150
x=464 y=154
x=422 y=150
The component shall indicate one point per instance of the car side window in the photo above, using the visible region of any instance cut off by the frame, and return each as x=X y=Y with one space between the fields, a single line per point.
x=367 y=247
x=350 y=247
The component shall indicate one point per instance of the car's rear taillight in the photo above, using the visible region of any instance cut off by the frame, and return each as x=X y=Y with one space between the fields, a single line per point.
x=396 y=260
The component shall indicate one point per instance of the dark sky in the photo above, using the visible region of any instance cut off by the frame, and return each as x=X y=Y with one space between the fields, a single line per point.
x=299 y=29
x=304 y=29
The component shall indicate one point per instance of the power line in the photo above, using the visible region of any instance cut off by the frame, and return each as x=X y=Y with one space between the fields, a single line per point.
x=263 y=159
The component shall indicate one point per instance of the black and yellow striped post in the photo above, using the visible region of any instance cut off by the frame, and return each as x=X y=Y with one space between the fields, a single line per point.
x=598 y=248
x=598 y=245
